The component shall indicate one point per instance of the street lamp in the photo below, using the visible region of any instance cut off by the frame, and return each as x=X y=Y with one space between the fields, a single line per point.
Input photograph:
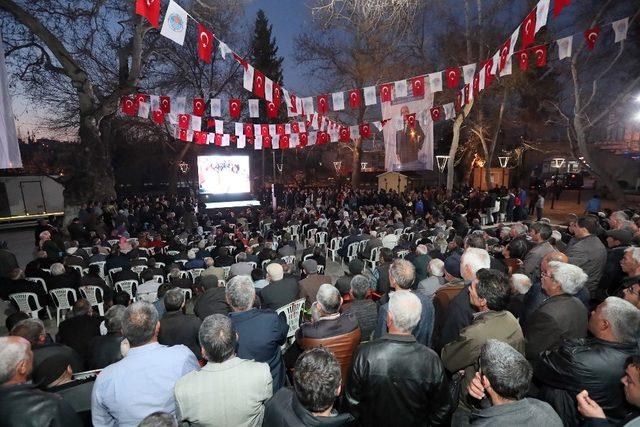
x=183 y=167
x=363 y=165
x=337 y=166
x=442 y=164
x=504 y=161
x=556 y=162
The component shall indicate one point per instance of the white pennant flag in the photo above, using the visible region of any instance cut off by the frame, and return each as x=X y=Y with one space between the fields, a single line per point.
x=338 y=101
x=268 y=89
x=239 y=129
x=257 y=130
x=225 y=140
x=275 y=142
x=173 y=118
x=219 y=126
x=298 y=106
x=174 y=26
x=370 y=95
x=241 y=141
x=378 y=125
x=254 y=108
x=155 y=102
x=564 y=47
x=354 y=131
x=400 y=88
x=287 y=98
x=542 y=11
x=506 y=71
x=496 y=62
x=482 y=76
x=621 y=28
x=435 y=82
x=287 y=129
x=312 y=138
x=216 y=107
x=302 y=126
x=211 y=138
x=293 y=140
x=449 y=111
x=257 y=143
x=272 y=130
x=143 y=110
x=468 y=71
x=334 y=134
x=196 y=123
x=247 y=81
x=307 y=105
x=180 y=105
x=224 y=49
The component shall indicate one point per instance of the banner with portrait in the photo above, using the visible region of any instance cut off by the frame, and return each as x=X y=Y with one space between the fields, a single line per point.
x=408 y=147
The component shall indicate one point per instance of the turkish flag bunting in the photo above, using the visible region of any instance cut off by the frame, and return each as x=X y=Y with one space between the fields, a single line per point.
x=523 y=60
x=241 y=61
x=476 y=84
x=248 y=130
x=184 y=135
x=218 y=139
x=264 y=130
x=302 y=140
x=411 y=120
x=266 y=142
x=205 y=43
x=284 y=142
x=365 y=130
x=385 y=92
x=345 y=134
x=141 y=97
x=150 y=9
x=591 y=36
x=558 y=5
x=258 y=83
x=540 y=53
x=504 y=54
x=158 y=117
x=200 y=138
x=354 y=98
x=295 y=128
x=277 y=95
x=417 y=86
x=488 y=76
x=198 y=107
x=280 y=129
x=323 y=137
x=234 y=108
x=165 y=104
x=129 y=106
x=529 y=29
x=323 y=104
x=436 y=114
x=183 y=121
x=453 y=77
x=211 y=123
x=272 y=110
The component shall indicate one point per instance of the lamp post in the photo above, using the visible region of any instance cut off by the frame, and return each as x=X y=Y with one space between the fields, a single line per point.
x=442 y=164
x=556 y=162
x=504 y=162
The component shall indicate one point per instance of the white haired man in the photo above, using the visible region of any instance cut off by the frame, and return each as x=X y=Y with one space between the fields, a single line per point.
x=520 y=285
x=436 y=279
x=562 y=316
x=594 y=364
x=21 y=403
x=396 y=381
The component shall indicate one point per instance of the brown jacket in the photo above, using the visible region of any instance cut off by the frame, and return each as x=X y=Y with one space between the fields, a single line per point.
x=308 y=287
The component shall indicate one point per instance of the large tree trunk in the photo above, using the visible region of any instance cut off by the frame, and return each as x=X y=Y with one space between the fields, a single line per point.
x=355 y=162
x=455 y=140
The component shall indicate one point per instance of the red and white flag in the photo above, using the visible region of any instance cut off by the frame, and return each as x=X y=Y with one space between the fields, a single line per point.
x=198 y=107
x=345 y=135
x=129 y=106
x=183 y=121
x=385 y=92
x=417 y=86
x=323 y=104
x=365 y=130
x=591 y=37
x=258 y=83
x=529 y=29
x=540 y=53
x=280 y=129
x=277 y=94
x=504 y=54
x=354 y=98
x=272 y=110
x=558 y=5
x=150 y=9
x=234 y=108
x=158 y=117
x=264 y=130
x=200 y=138
x=248 y=130
x=453 y=77
x=165 y=104
x=411 y=120
x=205 y=43
x=523 y=60
x=436 y=114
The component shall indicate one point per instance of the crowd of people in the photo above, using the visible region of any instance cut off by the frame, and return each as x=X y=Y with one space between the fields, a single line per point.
x=341 y=307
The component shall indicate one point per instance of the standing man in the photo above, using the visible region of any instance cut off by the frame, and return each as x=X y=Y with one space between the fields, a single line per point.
x=587 y=252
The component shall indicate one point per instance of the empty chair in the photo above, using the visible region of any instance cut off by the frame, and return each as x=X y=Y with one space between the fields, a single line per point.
x=94 y=295
x=128 y=286
x=60 y=298
x=292 y=312
x=321 y=238
x=373 y=258
x=38 y=280
x=173 y=253
x=27 y=302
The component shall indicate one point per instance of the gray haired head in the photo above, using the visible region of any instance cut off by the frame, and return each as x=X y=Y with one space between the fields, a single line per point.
x=507 y=370
x=113 y=318
x=217 y=338
x=139 y=323
x=240 y=293
x=405 y=309
x=13 y=350
x=328 y=298
x=623 y=317
x=360 y=286
x=402 y=273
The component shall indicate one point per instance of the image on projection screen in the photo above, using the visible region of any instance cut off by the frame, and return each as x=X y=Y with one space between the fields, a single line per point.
x=223 y=174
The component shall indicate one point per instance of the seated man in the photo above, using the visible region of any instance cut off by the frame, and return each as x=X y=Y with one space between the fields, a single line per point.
x=436 y=279
x=562 y=316
x=489 y=294
x=316 y=384
x=241 y=267
x=344 y=283
x=504 y=378
x=211 y=268
x=21 y=403
x=212 y=300
x=176 y=278
x=16 y=283
x=61 y=278
x=396 y=381
x=594 y=364
x=401 y=277
x=308 y=287
x=106 y=349
x=93 y=278
x=260 y=332
x=193 y=262
x=281 y=290
x=77 y=330
x=205 y=397
x=148 y=289
x=364 y=309
x=520 y=285
x=121 y=394
x=177 y=327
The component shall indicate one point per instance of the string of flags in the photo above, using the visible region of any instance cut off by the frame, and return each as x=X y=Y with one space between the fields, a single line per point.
x=473 y=77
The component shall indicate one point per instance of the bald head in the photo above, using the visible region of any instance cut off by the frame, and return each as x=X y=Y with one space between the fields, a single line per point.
x=553 y=256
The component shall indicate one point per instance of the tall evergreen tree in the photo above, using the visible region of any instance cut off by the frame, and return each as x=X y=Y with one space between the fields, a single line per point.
x=264 y=57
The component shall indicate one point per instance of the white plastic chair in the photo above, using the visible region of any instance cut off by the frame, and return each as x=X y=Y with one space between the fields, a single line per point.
x=402 y=254
x=321 y=238
x=373 y=258
x=292 y=312
x=158 y=278
x=94 y=295
x=113 y=242
x=320 y=269
x=398 y=231
x=265 y=263
x=253 y=265
x=289 y=259
x=187 y=293
x=38 y=280
x=78 y=269
x=22 y=301
x=160 y=264
x=60 y=299
x=310 y=233
x=334 y=247
x=173 y=253
x=100 y=265
x=352 y=251
x=139 y=269
x=226 y=270
x=128 y=286
x=307 y=256
x=195 y=272
x=113 y=271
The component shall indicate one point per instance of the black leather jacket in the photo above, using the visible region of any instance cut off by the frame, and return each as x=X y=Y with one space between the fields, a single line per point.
x=395 y=381
x=585 y=364
x=24 y=405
